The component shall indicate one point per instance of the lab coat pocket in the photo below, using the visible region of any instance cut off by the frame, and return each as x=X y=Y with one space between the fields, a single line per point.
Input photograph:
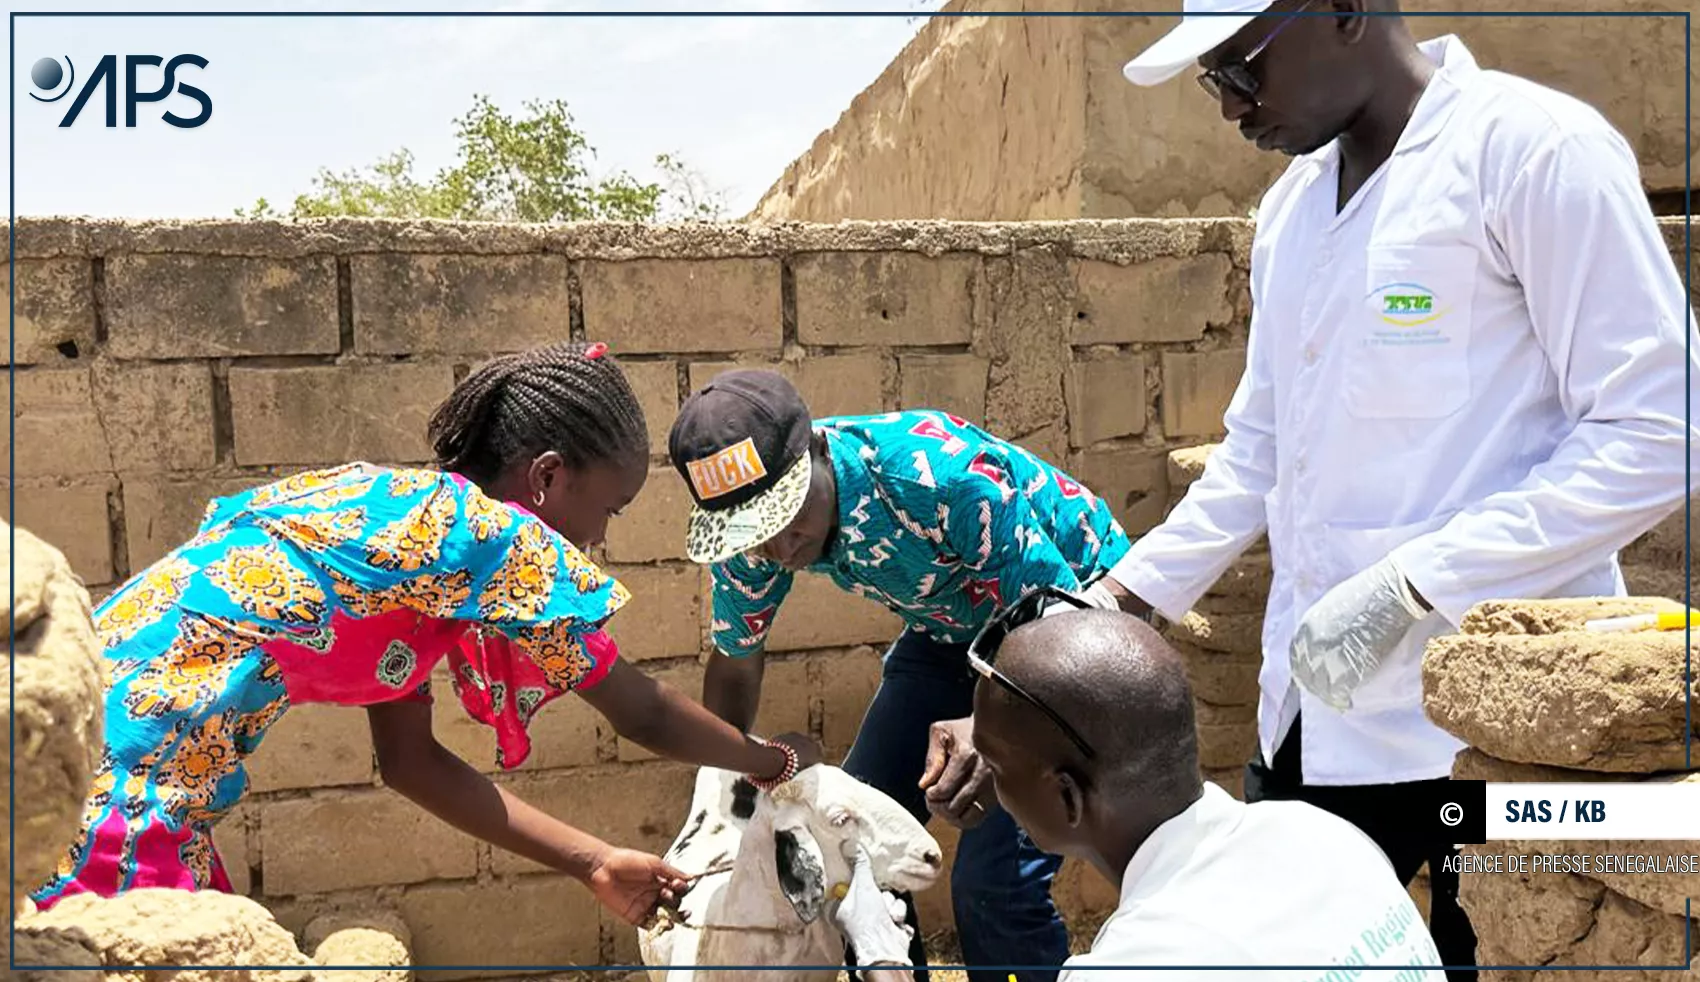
x=1409 y=348
x=1397 y=682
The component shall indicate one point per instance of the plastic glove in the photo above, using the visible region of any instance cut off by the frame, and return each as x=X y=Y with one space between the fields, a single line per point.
x=871 y=920
x=1096 y=595
x=1343 y=638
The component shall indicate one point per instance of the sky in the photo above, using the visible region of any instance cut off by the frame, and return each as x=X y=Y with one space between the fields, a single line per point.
x=738 y=98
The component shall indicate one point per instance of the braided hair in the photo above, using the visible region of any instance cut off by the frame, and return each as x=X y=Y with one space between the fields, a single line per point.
x=568 y=397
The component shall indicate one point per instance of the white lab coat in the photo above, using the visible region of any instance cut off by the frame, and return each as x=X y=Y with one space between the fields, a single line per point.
x=1477 y=367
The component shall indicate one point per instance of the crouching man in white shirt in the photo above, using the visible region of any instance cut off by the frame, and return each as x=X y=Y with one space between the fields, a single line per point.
x=1085 y=720
x=1465 y=380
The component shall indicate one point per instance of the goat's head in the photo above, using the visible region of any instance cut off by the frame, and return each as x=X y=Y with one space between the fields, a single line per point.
x=820 y=810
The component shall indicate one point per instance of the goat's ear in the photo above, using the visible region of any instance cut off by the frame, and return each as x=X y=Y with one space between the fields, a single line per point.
x=802 y=872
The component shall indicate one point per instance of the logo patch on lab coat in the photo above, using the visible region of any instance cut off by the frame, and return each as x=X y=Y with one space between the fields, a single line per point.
x=1412 y=313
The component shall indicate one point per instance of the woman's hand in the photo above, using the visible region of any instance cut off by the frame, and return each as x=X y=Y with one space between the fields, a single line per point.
x=634 y=884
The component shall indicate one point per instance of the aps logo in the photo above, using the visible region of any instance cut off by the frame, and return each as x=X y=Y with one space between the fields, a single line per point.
x=58 y=81
x=1408 y=304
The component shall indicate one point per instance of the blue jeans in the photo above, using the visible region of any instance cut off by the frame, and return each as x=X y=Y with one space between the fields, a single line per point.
x=1000 y=883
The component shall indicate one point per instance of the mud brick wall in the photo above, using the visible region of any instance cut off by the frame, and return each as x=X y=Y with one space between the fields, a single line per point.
x=160 y=364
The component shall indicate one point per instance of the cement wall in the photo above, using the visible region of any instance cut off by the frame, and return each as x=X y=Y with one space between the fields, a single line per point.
x=159 y=364
x=1027 y=117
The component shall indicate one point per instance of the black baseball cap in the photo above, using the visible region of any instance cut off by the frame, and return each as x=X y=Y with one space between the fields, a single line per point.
x=741 y=443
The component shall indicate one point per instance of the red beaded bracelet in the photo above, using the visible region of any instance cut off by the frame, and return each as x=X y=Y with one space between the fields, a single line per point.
x=786 y=774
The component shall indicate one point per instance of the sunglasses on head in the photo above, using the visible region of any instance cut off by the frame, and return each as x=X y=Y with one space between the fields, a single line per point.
x=1236 y=76
x=984 y=651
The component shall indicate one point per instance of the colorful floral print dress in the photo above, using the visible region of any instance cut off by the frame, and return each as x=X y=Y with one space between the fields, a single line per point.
x=342 y=586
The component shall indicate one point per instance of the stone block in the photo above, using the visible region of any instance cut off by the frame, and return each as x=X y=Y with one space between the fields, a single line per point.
x=75 y=518
x=1133 y=481
x=447 y=304
x=678 y=305
x=786 y=693
x=685 y=676
x=313 y=746
x=1222 y=745
x=1197 y=387
x=849 y=677
x=230 y=838
x=161 y=513
x=319 y=416
x=656 y=385
x=817 y=614
x=563 y=733
x=653 y=526
x=1603 y=702
x=1106 y=398
x=56 y=425
x=533 y=920
x=832 y=385
x=1186 y=465
x=953 y=383
x=1554 y=616
x=638 y=807
x=1228 y=634
x=53 y=310
x=1654 y=580
x=157 y=417
x=1666 y=542
x=1473 y=765
x=345 y=840
x=1029 y=313
x=884 y=298
x=664 y=617
x=1244 y=588
x=175 y=305
x=1163 y=300
x=1218 y=678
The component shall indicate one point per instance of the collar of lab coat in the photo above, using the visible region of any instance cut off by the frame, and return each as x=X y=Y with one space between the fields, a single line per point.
x=1454 y=67
x=1169 y=846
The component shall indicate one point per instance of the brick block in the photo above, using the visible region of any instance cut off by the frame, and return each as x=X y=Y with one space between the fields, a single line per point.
x=230 y=838
x=953 y=383
x=330 y=415
x=345 y=840
x=636 y=807
x=446 y=304
x=1106 y=399
x=1164 y=300
x=835 y=385
x=313 y=746
x=664 y=616
x=653 y=526
x=1225 y=634
x=668 y=305
x=1196 y=390
x=537 y=920
x=161 y=513
x=684 y=676
x=74 y=518
x=56 y=425
x=817 y=614
x=786 y=692
x=884 y=298
x=1226 y=744
x=563 y=733
x=157 y=417
x=53 y=310
x=1133 y=481
x=183 y=306
x=656 y=385
x=849 y=678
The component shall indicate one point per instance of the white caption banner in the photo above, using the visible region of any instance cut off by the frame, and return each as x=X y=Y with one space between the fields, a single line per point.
x=1593 y=811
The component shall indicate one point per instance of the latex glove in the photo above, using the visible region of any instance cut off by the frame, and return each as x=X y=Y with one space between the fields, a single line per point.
x=872 y=920
x=1343 y=638
x=1096 y=595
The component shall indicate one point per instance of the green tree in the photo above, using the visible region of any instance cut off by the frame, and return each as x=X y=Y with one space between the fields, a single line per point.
x=531 y=169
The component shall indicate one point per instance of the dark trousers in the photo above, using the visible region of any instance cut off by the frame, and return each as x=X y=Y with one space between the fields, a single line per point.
x=1380 y=811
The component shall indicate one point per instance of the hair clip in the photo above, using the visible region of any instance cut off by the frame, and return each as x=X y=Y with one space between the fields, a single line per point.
x=596 y=350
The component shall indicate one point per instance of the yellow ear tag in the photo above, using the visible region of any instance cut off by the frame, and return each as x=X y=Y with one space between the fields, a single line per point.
x=840 y=891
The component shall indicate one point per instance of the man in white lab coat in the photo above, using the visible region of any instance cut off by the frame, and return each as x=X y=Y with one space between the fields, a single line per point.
x=1465 y=379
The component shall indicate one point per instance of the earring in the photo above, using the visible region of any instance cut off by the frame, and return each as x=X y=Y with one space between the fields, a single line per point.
x=537 y=499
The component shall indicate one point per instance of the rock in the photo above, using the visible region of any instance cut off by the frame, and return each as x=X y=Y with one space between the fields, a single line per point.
x=1473 y=765
x=1554 y=616
x=1552 y=695
x=1185 y=466
x=1664 y=544
x=1650 y=580
x=58 y=708
x=68 y=950
x=378 y=938
x=156 y=926
x=1230 y=634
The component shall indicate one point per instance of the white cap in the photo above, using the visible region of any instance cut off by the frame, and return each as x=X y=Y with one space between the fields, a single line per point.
x=1206 y=24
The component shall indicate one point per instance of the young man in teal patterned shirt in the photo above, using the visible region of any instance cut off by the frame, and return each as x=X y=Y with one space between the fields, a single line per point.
x=943 y=524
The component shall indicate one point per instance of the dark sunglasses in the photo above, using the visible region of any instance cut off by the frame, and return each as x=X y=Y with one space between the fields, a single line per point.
x=1236 y=76
x=984 y=650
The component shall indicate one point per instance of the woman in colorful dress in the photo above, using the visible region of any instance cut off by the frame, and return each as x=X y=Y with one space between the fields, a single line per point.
x=348 y=585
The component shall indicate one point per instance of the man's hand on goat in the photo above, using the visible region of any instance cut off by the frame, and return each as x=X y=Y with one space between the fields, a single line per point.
x=957 y=782
x=635 y=884
x=872 y=921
